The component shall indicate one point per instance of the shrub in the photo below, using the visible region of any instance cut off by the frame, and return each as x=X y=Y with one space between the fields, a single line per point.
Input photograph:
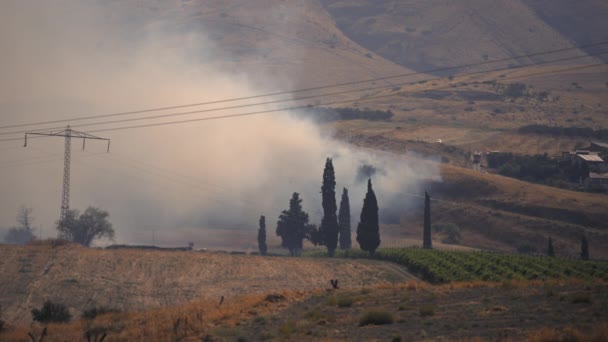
x=427 y=310
x=52 y=312
x=376 y=317
x=365 y=291
x=581 y=298
x=345 y=301
x=288 y=328
x=97 y=311
x=516 y=90
x=451 y=231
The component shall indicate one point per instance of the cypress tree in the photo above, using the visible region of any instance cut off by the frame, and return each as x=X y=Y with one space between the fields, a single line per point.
x=292 y=225
x=329 y=223
x=368 y=230
x=584 y=248
x=550 y=250
x=344 y=221
x=427 y=243
x=262 y=236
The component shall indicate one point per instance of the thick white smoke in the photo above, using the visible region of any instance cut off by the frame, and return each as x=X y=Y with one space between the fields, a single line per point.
x=205 y=182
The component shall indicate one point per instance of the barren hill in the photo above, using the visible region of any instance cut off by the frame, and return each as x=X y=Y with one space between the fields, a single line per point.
x=583 y=22
x=287 y=44
x=135 y=280
x=423 y=35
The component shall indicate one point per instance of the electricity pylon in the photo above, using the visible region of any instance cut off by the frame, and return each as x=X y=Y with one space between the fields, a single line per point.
x=68 y=134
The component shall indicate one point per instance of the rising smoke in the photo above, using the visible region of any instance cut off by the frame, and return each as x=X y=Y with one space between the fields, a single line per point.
x=205 y=182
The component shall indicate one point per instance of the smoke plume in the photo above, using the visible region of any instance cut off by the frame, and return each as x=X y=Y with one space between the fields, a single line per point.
x=207 y=181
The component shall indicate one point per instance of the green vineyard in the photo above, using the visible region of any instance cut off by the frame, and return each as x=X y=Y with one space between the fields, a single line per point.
x=438 y=266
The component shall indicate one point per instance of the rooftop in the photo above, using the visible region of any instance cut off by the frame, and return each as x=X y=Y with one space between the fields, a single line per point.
x=600 y=144
x=591 y=158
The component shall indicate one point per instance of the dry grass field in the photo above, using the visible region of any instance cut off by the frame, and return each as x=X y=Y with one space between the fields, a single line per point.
x=134 y=280
x=510 y=311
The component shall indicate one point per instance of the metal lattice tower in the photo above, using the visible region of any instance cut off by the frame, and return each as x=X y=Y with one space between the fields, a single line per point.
x=68 y=134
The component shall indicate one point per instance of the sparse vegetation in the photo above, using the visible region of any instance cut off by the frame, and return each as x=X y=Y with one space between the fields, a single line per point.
x=585 y=132
x=536 y=168
x=345 y=301
x=92 y=313
x=426 y=310
x=515 y=90
x=376 y=317
x=335 y=114
x=51 y=313
x=451 y=232
x=24 y=232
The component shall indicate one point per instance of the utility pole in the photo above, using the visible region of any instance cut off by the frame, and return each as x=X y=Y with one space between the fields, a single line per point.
x=68 y=134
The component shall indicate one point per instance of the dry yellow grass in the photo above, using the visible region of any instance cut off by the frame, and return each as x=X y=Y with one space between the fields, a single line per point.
x=595 y=334
x=134 y=280
x=185 y=322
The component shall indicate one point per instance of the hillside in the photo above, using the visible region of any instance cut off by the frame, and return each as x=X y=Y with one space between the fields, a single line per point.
x=582 y=22
x=272 y=43
x=424 y=35
x=135 y=280
x=501 y=213
x=565 y=310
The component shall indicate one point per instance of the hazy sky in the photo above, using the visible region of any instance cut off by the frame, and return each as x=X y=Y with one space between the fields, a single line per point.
x=187 y=182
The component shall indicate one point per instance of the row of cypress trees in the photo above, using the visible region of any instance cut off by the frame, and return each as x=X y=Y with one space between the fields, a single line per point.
x=293 y=226
x=335 y=230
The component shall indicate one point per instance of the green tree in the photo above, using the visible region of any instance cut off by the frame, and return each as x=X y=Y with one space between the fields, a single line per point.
x=584 y=248
x=262 y=236
x=84 y=229
x=329 y=224
x=344 y=221
x=23 y=233
x=292 y=225
x=368 y=230
x=550 y=250
x=427 y=243
x=450 y=230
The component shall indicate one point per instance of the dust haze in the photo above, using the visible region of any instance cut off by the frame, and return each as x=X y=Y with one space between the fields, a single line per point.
x=205 y=182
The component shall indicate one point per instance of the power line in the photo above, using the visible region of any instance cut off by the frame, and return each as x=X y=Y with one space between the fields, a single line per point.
x=299 y=107
x=431 y=71
x=317 y=105
x=300 y=98
x=42 y=160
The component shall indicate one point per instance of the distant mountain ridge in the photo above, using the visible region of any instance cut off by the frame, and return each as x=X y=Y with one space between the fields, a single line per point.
x=423 y=35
